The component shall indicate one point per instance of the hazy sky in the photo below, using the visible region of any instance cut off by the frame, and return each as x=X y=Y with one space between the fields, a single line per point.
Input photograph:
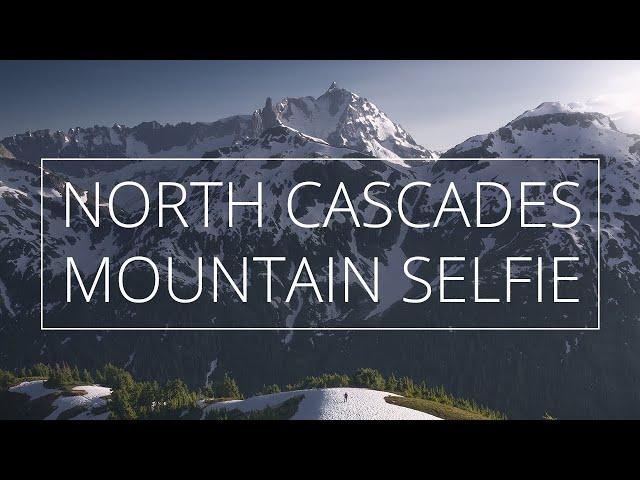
x=440 y=103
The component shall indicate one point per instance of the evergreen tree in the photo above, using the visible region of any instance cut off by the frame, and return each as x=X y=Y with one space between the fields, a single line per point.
x=149 y=399
x=40 y=370
x=269 y=389
x=209 y=392
x=86 y=377
x=61 y=375
x=121 y=407
x=116 y=377
x=326 y=380
x=7 y=379
x=406 y=387
x=369 y=378
x=422 y=389
x=392 y=383
x=228 y=388
x=177 y=396
x=99 y=377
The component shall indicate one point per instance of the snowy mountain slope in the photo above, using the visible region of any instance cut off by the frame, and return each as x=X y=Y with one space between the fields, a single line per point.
x=278 y=236
x=557 y=130
x=33 y=389
x=276 y=142
x=87 y=402
x=281 y=141
x=345 y=119
x=552 y=130
x=20 y=235
x=329 y=404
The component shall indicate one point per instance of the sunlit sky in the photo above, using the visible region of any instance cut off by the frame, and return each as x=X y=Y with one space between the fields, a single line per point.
x=440 y=103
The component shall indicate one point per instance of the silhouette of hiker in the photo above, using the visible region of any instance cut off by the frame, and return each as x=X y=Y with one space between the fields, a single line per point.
x=346 y=397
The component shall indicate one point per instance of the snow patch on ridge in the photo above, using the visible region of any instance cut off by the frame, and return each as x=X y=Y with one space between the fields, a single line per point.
x=329 y=404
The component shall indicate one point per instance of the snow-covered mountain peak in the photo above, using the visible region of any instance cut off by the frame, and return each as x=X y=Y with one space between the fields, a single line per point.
x=567 y=114
x=336 y=91
x=333 y=86
x=345 y=119
x=553 y=129
x=552 y=108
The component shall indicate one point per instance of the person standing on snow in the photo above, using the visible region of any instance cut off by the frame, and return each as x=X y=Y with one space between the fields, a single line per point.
x=346 y=397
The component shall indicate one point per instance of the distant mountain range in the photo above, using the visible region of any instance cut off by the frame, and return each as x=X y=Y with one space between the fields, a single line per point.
x=568 y=374
x=338 y=123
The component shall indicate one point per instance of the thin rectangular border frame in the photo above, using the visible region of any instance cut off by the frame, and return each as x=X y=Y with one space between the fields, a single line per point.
x=254 y=329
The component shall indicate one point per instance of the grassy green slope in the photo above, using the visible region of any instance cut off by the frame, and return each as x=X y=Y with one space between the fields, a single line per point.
x=440 y=410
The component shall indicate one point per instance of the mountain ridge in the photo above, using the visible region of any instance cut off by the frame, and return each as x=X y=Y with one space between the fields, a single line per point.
x=360 y=127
